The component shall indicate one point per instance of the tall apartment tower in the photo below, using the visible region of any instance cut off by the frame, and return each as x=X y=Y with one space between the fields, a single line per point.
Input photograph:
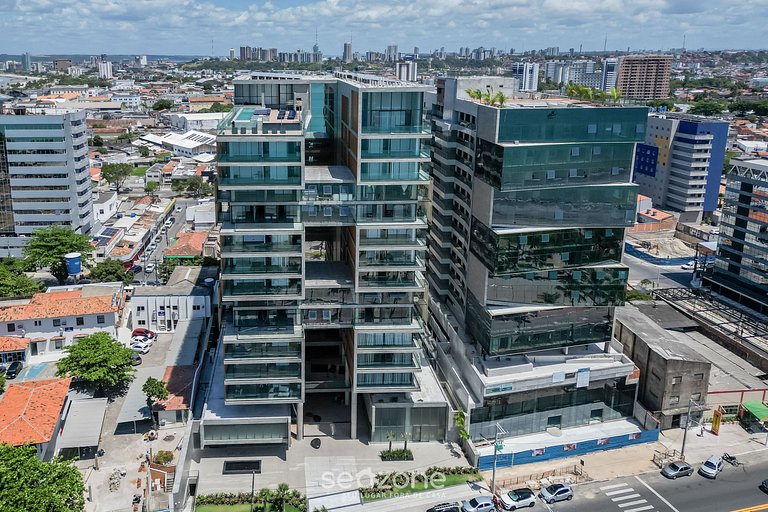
x=527 y=75
x=321 y=197
x=530 y=203
x=741 y=265
x=644 y=77
x=45 y=176
x=392 y=54
x=105 y=70
x=26 y=62
x=609 y=74
x=347 y=56
x=680 y=165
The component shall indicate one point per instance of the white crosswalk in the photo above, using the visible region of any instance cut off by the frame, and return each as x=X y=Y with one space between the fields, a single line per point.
x=626 y=498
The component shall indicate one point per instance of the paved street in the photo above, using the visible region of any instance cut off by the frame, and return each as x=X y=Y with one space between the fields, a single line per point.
x=663 y=276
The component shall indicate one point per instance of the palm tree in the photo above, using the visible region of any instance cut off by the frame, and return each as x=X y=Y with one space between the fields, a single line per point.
x=280 y=494
x=500 y=98
x=475 y=94
x=390 y=438
x=405 y=436
x=488 y=96
x=265 y=495
x=615 y=94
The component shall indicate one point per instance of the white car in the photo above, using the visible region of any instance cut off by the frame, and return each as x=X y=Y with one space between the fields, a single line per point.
x=149 y=268
x=141 y=339
x=711 y=467
x=178 y=209
x=141 y=348
x=517 y=499
x=688 y=266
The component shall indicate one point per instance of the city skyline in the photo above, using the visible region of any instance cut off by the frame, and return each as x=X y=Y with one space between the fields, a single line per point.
x=217 y=26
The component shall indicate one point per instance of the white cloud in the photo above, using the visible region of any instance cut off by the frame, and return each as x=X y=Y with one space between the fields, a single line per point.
x=187 y=26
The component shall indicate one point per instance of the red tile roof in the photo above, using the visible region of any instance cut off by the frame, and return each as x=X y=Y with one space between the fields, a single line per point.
x=29 y=411
x=188 y=244
x=178 y=380
x=57 y=305
x=13 y=343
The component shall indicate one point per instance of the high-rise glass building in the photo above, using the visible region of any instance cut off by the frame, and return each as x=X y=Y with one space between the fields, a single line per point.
x=322 y=197
x=530 y=206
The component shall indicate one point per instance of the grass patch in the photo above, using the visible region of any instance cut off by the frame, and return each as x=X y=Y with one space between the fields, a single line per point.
x=241 y=508
x=450 y=480
x=139 y=171
x=636 y=295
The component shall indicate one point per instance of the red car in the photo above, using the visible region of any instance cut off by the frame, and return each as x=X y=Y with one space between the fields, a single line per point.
x=143 y=332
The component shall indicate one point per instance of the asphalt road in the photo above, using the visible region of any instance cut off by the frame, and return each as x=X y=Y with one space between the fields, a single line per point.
x=666 y=276
x=156 y=256
x=735 y=489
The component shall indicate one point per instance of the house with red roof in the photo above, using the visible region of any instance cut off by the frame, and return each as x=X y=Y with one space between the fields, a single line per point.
x=32 y=412
x=175 y=409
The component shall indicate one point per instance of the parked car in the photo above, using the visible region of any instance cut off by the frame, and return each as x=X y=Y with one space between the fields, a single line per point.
x=140 y=331
x=136 y=269
x=711 y=467
x=135 y=359
x=141 y=348
x=149 y=268
x=152 y=247
x=677 y=469
x=13 y=370
x=764 y=486
x=177 y=209
x=556 y=492
x=142 y=339
x=479 y=504
x=446 y=507
x=688 y=266
x=517 y=499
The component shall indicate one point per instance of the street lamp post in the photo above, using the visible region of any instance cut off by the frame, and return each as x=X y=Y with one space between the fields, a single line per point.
x=496 y=444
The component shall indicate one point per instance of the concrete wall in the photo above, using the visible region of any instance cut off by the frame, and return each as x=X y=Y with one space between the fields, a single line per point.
x=146 y=310
x=68 y=329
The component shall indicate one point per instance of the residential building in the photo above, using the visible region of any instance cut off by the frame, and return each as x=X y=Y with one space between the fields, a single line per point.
x=392 y=55
x=681 y=162
x=202 y=122
x=246 y=53
x=741 y=265
x=526 y=74
x=530 y=203
x=62 y=65
x=104 y=206
x=105 y=70
x=206 y=102
x=32 y=413
x=644 y=77
x=189 y=294
x=231 y=54
x=347 y=55
x=406 y=71
x=320 y=185
x=56 y=319
x=44 y=176
x=26 y=62
x=609 y=74
x=178 y=381
x=672 y=372
x=13 y=348
x=188 y=246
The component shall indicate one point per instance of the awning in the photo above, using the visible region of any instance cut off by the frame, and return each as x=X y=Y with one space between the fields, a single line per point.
x=83 y=424
x=757 y=409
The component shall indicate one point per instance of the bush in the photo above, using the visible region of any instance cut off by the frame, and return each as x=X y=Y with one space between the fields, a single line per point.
x=387 y=455
x=163 y=457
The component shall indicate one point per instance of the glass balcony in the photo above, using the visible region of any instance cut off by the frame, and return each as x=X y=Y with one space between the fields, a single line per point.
x=386 y=380
x=390 y=237
x=387 y=193
x=259 y=196
x=254 y=175
x=262 y=371
x=390 y=171
x=396 y=360
x=390 y=259
x=387 y=279
x=385 y=212
x=327 y=214
x=260 y=243
x=265 y=151
x=320 y=317
x=263 y=287
x=261 y=350
x=385 y=315
x=263 y=265
x=392 y=340
x=262 y=391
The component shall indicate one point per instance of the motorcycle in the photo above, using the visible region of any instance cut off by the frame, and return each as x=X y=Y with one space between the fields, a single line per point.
x=730 y=459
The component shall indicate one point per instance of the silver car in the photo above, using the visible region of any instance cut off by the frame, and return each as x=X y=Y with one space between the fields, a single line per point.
x=479 y=504
x=677 y=469
x=711 y=467
x=556 y=492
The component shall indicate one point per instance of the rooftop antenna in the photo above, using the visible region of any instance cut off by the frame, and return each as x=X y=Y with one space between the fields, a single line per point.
x=605 y=44
x=683 y=42
x=211 y=48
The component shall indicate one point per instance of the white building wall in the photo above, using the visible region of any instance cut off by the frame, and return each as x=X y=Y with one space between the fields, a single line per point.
x=68 y=328
x=162 y=313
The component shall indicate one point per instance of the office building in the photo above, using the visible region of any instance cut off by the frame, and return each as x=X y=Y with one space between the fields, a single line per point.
x=26 y=62
x=231 y=54
x=105 y=70
x=644 y=77
x=741 y=265
x=392 y=54
x=609 y=74
x=45 y=176
x=527 y=75
x=530 y=203
x=321 y=183
x=347 y=56
x=680 y=164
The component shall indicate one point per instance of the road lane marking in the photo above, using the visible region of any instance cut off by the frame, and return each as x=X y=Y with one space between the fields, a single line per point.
x=639 y=509
x=632 y=503
x=627 y=497
x=755 y=508
x=620 y=491
x=614 y=486
x=662 y=498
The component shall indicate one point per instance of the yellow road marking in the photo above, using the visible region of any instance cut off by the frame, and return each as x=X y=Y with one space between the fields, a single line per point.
x=755 y=508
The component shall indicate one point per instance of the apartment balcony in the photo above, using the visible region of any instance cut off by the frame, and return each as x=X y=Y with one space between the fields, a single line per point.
x=386 y=382
x=384 y=262
x=372 y=362
x=256 y=393
x=243 y=353
x=235 y=288
x=393 y=242
x=242 y=372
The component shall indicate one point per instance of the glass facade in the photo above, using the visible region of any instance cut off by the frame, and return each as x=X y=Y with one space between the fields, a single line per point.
x=392 y=112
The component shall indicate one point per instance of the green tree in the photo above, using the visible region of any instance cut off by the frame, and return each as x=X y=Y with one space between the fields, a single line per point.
x=109 y=271
x=17 y=284
x=197 y=186
x=151 y=189
x=144 y=151
x=207 y=87
x=162 y=105
x=219 y=107
x=47 y=247
x=27 y=483
x=116 y=174
x=707 y=108
x=155 y=390
x=99 y=360
x=2 y=384
x=97 y=141
x=178 y=186
x=727 y=160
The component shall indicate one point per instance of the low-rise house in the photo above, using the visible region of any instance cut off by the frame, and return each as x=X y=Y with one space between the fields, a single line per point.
x=175 y=409
x=32 y=413
x=55 y=319
x=13 y=348
x=188 y=246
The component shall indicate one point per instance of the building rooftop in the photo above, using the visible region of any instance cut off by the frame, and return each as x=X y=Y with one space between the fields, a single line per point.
x=13 y=343
x=178 y=380
x=328 y=174
x=184 y=280
x=58 y=304
x=29 y=411
x=187 y=245
x=658 y=339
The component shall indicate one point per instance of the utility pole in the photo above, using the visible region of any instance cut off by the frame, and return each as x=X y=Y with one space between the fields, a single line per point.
x=253 y=488
x=685 y=432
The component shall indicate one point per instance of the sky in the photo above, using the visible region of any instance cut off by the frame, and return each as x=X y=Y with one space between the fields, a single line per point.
x=205 y=27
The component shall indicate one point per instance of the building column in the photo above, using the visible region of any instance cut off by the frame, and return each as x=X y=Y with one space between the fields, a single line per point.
x=300 y=421
x=353 y=417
